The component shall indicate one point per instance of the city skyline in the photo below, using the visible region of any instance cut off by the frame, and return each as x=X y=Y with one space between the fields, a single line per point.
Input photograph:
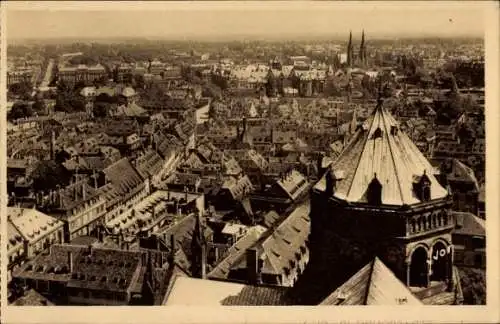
x=217 y=20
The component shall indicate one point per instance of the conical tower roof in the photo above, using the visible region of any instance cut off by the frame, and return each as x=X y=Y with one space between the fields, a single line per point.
x=380 y=147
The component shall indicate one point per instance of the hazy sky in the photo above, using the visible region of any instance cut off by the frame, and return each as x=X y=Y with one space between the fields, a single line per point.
x=227 y=19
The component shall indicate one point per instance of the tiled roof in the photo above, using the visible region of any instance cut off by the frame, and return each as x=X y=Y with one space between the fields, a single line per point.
x=120 y=269
x=76 y=194
x=123 y=176
x=130 y=110
x=294 y=184
x=238 y=187
x=286 y=240
x=32 y=298
x=236 y=252
x=462 y=172
x=215 y=293
x=379 y=148
x=374 y=284
x=30 y=223
x=469 y=224
x=149 y=164
x=270 y=218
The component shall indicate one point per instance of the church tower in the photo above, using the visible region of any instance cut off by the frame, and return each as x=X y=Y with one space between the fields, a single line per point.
x=380 y=199
x=362 y=50
x=349 y=50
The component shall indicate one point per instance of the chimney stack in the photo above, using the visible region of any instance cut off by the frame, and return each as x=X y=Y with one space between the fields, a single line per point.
x=253 y=267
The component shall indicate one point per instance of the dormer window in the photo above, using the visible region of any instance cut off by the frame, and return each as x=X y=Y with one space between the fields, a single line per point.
x=394 y=130
x=374 y=194
x=422 y=187
x=377 y=133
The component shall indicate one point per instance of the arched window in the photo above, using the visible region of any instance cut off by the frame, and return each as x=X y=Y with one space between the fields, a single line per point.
x=440 y=219
x=434 y=221
x=445 y=218
x=413 y=225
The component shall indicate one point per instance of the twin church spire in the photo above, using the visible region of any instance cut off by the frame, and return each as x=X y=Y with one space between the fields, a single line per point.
x=361 y=58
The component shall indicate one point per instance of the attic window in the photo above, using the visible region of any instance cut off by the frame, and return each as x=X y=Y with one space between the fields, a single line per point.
x=377 y=133
x=394 y=130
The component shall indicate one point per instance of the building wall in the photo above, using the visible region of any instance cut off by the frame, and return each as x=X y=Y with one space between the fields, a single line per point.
x=351 y=238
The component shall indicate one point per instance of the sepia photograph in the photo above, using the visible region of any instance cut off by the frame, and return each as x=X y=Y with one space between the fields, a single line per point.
x=244 y=154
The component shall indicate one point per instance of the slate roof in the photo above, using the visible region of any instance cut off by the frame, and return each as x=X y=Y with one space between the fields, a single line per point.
x=374 y=284
x=379 y=147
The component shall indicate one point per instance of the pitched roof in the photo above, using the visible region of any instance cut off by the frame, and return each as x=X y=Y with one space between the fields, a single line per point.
x=32 y=298
x=374 y=284
x=469 y=224
x=149 y=164
x=123 y=176
x=380 y=148
x=235 y=252
x=294 y=184
x=215 y=293
x=30 y=223
x=128 y=92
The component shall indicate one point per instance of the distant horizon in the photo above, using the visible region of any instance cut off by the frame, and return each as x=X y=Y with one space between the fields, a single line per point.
x=239 y=38
x=199 y=21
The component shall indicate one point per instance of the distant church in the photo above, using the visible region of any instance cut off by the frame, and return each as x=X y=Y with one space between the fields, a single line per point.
x=359 y=59
x=379 y=206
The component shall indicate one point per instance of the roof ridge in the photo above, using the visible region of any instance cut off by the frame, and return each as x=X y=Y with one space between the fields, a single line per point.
x=370 y=274
x=364 y=145
x=392 y=156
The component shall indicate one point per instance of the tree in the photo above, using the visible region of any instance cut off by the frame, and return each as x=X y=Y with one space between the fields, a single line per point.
x=39 y=106
x=22 y=89
x=20 y=110
x=48 y=175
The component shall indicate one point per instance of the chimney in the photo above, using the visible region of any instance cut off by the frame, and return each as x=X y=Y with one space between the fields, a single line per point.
x=253 y=267
x=70 y=261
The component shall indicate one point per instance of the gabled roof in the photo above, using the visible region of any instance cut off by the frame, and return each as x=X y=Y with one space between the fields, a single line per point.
x=294 y=184
x=469 y=224
x=123 y=176
x=374 y=284
x=380 y=147
x=149 y=164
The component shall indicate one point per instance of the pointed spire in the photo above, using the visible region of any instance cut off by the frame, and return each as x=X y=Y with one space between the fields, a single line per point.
x=362 y=53
x=349 y=50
